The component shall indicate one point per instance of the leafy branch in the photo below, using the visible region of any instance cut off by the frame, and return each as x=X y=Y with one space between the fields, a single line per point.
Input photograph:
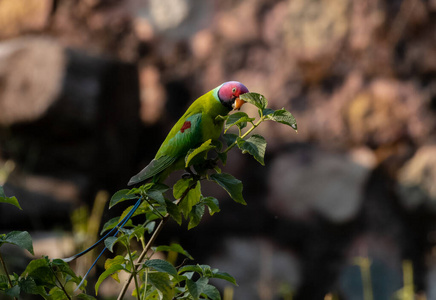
x=154 y=278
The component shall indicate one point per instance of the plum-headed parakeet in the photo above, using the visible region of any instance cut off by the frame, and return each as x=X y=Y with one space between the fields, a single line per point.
x=197 y=125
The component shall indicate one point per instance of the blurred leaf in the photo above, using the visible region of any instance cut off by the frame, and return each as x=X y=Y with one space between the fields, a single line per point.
x=267 y=111
x=212 y=203
x=218 y=145
x=113 y=269
x=161 y=266
x=181 y=186
x=195 y=215
x=211 y=292
x=230 y=138
x=41 y=272
x=110 y=242
x=256 y=99
x=192 y=198
x=174 y=211
x=162 y=283
x=85 y=297
x=284 y=117
x=121 y=196
x=57 y=293
x=63 y=267
x=255 y=145
x=191 y=268
x=21 y=239
x=10 y=200
x=196 y=288
x=113 y=222
x=239 y=119
x=225 y=276
x=176 y=248
x=13 y=291
x=117 y=260
x=232 y=185
x=198 y=154
x=155 y=191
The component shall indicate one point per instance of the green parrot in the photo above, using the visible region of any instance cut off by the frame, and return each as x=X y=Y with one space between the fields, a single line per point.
x=197 y=125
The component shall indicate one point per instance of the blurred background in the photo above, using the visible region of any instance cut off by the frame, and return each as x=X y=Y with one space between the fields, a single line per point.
x=345 y=209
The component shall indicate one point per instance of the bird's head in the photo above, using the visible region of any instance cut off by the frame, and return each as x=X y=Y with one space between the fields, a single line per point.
x=229 y=93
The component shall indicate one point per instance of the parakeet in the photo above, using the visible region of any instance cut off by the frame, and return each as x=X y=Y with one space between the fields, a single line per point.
x=197 y=125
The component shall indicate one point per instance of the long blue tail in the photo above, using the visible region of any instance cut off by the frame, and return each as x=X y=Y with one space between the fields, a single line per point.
x=117 y=228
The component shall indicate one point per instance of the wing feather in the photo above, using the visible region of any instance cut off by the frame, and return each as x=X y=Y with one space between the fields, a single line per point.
x=153 y=168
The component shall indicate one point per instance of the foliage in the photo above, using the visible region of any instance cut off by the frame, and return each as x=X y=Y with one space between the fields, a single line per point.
x=156 y=278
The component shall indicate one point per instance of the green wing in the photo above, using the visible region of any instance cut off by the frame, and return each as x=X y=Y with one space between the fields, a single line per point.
x=186 y=134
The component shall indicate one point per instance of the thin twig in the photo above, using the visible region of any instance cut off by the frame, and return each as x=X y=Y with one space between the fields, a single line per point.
x=149 y=244
x=141 y=257
x=60 y=283
x=134 y=273
x=6 y=272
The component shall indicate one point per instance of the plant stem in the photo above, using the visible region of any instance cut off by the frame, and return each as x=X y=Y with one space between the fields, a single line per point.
x=60 y=283
x=141 y=257
x=150 y=243
x=133 y=271
x=245 y=134
x=6 y=272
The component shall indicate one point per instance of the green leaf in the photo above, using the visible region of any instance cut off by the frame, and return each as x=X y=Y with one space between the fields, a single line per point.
x=255 y=145
x=267 y=111
x=212 y=203
x=41 y=272
x=117 y=260
x=191 y=198
x=284 y=117
x=239 y=119
x=85 y=297
x=232 y=185
x=191 y=268
x=196 y=288
x=198 y=154
x=218 y=145
x=110 y=242
x=195 y=215
x=150 y=226
x=113 y=269
x=156 y=196
x=29 y=286
x=63 y=267
x=14 y=291
x=225 y=276
x=162 y=283
x=155 y=191
x=175 y=248
x=161 y=266
x=113 y=222
x=57 y=293
x=211 y=292
x=256 y=99
x=174 y=211
x=181 y=186
x=121 y=196
x=230 y=138
x=21 y=239
x=10 y=200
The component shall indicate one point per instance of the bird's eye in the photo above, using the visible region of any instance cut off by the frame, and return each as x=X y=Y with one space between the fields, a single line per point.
x=234 y=90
